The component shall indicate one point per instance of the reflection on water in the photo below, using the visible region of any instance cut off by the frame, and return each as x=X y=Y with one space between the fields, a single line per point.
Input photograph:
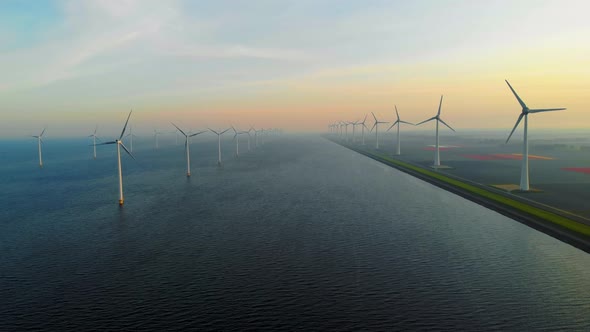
x=300 y=234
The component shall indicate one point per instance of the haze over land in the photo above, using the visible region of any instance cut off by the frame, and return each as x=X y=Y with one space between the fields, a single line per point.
x=298 y=65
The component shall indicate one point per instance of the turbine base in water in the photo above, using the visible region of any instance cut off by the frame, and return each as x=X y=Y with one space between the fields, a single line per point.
x=121 y=202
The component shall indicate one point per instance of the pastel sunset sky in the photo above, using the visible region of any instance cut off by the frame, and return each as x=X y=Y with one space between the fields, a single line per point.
x=298 y=65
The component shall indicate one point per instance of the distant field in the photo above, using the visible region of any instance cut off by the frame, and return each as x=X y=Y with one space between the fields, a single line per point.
x=585 y=170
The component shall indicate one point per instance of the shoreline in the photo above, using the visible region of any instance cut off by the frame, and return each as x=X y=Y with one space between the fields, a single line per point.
x=546 y=219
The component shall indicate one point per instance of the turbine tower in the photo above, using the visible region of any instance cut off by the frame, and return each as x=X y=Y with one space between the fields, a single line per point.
x=94 y=137
x=219 y=133
x=187 y=147
x=438 y=119
x=398 y=122
x=376 y=126
x=119 y=146
x=39 y=142
x=524 y=171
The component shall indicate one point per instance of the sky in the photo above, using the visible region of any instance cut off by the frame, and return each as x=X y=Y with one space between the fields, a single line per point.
x=69 y=65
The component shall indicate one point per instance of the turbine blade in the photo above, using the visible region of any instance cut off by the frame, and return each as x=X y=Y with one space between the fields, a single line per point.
x=374 y=117
x=516 y=95
x=179 y=129
x=125 y=127
x=439 y=105
x=95 y=129
x=406 y=122
x=221 y=133
x=195 y=134
x=396 y=112
x=546 y=110
x=365 y=119
x=111 y=142
x=516 y=125
x=42 y=132
x=374 y=125
x=213 y=131
x=129 y=153
x=432 y=118
x=392 y=125
x=441 y=120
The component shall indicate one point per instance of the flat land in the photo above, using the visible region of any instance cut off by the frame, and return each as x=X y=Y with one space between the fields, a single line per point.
x=559 y=164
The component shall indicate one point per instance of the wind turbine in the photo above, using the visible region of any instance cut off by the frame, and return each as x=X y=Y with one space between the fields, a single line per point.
x=376 y=126
x=39 y=142
x=119 y=146
x=249 y=136
x=187 y=147
x=236 y=137
x=219 y=143
x=255 y=136
x=94 y=137
x=524 y=171
x=438 y=119
x=398 y=122
x=363 y=128
x=156 y=133
x=354 y=124
x=131 y=135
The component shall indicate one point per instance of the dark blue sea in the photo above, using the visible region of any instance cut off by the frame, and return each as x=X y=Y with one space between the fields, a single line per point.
x=297 y=234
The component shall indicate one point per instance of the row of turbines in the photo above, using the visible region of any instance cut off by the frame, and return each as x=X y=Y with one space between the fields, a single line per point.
x=187 y=136
x=341 y=128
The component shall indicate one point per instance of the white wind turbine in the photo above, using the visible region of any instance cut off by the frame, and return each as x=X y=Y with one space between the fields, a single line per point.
x=438 y=119
x=524 y=171
x=249 y=136
x=398 y=122
x=219 y=133
x=39 y=142
x=94 y=137
x=187 y=147
x=120 y=145
x=363 y=127
x=346 y=124
x=255 y=136
x=156 y=134
x=354 y=124
x=376 y=126
x=237 y=139
x=131 y=135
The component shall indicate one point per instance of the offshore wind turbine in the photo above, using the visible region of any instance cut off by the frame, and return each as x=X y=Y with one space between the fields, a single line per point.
x=438 y=119
x=120 y=145
x=398 y=122
x=524 y=171
x=39 y=142
x=219 y=133
x=131 y=135
x=249 y=136
x=94 y=137
x=187 y=147
x=237 y=139
x=376 y=126
x=156 y=133
x=255 y=136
